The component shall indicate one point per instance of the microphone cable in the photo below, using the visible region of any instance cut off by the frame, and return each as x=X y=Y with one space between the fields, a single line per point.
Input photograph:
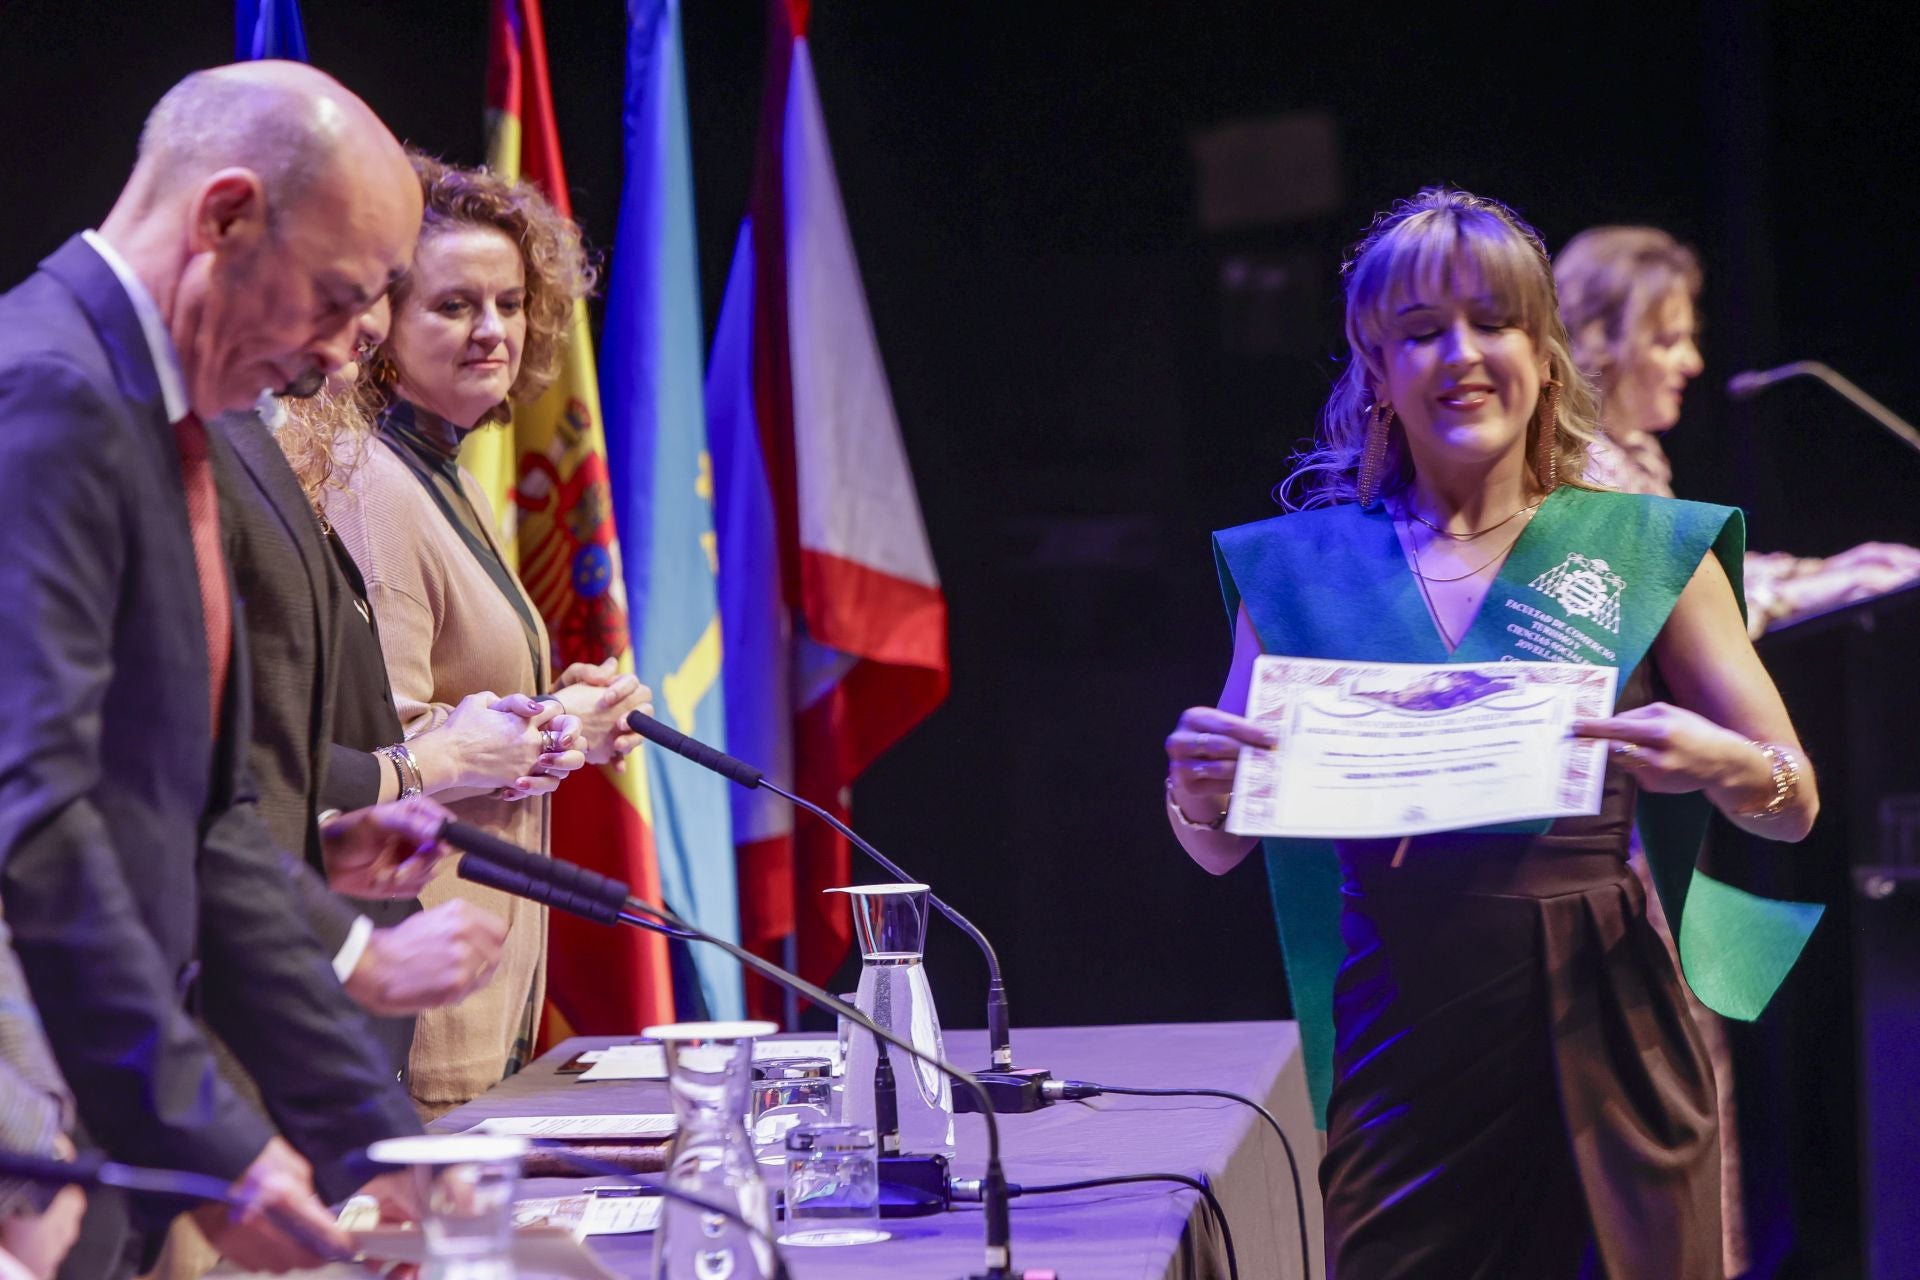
x=1076 y=1090
x=964 y=1189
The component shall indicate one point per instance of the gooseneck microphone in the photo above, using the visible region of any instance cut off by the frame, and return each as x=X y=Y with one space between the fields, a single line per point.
x=564 y=886
x=89 y=1169
x=502 y=865
x=1742 y=386
x=1010 y=1091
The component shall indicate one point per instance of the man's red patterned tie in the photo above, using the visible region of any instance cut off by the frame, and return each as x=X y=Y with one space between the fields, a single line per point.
x=203 y=519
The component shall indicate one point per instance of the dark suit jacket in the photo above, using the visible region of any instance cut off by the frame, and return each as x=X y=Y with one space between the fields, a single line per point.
x=302 y=615
x=134 y=857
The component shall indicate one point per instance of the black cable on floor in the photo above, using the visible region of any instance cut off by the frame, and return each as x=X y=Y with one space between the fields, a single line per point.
x=1087 y=1184
x=1087 y=1089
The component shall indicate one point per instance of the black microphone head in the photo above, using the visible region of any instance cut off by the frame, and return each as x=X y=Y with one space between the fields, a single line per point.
x=653 y=731
x=500 y=864
x=699 y=752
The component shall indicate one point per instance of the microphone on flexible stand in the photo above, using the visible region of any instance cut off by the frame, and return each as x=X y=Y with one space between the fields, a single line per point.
x=1009 y=1090
x=886 y=1106
x=1742 y=386
x=89 y=1169
x=500 y=864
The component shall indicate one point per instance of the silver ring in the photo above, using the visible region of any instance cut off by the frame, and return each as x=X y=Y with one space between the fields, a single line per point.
x=1625 y=750
x=549 y=742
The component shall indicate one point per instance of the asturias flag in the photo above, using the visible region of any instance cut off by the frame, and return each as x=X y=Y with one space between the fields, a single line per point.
x=835 y=623
x=547 y=476
x=663 y=486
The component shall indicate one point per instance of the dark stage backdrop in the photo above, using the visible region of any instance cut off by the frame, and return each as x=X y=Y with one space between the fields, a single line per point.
x=1088 y=382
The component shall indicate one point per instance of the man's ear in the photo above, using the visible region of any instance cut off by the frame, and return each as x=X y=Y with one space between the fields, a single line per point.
x=229 y=211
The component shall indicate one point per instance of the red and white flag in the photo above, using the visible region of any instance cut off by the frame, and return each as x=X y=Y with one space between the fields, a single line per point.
x=834 y=623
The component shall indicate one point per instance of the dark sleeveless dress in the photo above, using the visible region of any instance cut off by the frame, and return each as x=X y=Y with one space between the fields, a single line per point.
x=1519 y=1092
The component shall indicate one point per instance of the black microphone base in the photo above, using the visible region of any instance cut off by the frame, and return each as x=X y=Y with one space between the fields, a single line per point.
x=1012 y=1093
x=913 y=1186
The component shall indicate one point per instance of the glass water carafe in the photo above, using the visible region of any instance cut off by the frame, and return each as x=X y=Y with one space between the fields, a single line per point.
x=710 y=1074
x=891 y=922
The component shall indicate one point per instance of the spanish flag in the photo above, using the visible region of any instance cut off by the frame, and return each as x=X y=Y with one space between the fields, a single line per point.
x=547 y=476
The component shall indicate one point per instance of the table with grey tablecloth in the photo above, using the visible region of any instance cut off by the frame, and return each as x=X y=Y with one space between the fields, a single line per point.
x=1138 y=1232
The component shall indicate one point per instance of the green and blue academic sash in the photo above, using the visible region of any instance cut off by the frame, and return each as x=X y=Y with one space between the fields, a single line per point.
x=1591 y=579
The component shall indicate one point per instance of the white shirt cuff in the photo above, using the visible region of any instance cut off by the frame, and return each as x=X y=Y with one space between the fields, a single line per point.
x=347 y=959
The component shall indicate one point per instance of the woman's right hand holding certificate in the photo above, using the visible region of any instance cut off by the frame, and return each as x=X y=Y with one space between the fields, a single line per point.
x=1203 y=753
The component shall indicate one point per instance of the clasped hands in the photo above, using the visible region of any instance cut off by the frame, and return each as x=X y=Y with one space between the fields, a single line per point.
x=601 y=698
x=514 y=747
x=519 y=746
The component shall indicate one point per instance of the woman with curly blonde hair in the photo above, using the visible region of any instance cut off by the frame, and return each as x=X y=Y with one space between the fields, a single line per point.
x=1496 y=1037
x=480 y=322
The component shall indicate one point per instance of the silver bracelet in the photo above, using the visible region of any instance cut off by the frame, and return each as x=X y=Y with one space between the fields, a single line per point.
x=1180 y=815
x=407 y=769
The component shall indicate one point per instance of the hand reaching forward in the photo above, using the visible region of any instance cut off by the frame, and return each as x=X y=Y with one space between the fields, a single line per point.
x=32 y=1244
x=388 y=851
x=280 y=1224
x=433 y=958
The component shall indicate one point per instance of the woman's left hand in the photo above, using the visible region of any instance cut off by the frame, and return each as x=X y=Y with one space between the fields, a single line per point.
x=602 y=697
x=1670 y=750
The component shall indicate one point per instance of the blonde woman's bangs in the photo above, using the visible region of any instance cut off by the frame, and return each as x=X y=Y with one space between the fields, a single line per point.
x=1442 y=254
x=1440 y=245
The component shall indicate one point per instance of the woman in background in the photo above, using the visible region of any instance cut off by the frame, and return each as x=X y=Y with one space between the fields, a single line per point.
x=479 y=324
x=1628 y=295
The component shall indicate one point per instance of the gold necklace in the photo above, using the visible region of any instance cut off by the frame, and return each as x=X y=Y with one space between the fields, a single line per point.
x=1434 y=613
x=1421 y=579
x=1425 y=577
x=1466 y=537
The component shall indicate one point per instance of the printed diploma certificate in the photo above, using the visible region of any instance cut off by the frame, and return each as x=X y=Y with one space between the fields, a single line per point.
x=1372 y=749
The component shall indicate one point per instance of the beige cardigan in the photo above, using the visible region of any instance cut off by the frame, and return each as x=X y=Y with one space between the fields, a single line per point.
x=447 y=632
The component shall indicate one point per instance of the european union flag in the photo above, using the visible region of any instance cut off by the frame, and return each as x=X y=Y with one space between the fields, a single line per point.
x=268 y=29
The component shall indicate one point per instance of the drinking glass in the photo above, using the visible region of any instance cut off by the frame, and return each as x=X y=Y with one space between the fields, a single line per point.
x=466 y=1184
x=786 y=1092
x=833 y=1186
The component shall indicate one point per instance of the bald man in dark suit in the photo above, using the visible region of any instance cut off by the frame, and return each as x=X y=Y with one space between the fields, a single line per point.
x=267 y=209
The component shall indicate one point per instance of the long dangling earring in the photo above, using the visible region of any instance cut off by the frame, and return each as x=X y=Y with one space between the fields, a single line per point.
x=1374 y=456
x=1546 y=446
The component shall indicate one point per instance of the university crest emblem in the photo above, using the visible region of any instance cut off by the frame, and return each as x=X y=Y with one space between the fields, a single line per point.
x=1585 y=588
